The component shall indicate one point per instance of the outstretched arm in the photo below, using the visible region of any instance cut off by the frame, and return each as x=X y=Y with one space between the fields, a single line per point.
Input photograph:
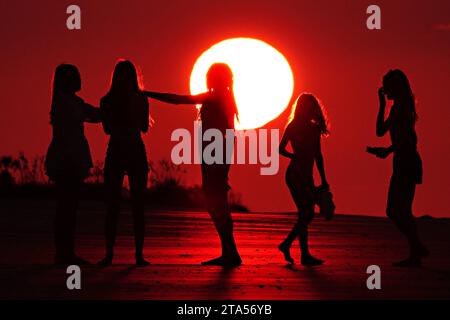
x=320 y=165
x=175 y=98
x=382 y=125
x=91 y=113
x=282 y=148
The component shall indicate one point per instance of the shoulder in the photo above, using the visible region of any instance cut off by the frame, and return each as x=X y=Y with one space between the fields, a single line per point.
x=67 y=99
x=142 y=98
x=104 y=101
x=77 y=99
x=205 y=97
x=289 y=129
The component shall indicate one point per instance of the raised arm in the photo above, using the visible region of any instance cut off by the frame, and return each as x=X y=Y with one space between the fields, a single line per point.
x=282 y=148
x=175 y=98
x=382 y=125
x=320 y=165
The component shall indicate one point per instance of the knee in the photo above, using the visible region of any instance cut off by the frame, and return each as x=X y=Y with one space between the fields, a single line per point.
x=395 y=214
x=306 y=218
x=310 y=217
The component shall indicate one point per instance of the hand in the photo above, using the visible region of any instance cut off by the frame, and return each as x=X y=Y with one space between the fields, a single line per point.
x=379 y=152
x=381 y=97
x=324 y=185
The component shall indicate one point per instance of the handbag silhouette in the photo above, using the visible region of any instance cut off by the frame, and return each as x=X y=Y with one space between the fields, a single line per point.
x=323 y=198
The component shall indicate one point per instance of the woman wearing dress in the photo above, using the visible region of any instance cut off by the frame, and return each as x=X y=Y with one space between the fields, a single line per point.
x=68 y=157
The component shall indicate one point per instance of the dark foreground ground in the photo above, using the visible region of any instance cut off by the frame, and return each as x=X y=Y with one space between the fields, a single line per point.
x=177 y=241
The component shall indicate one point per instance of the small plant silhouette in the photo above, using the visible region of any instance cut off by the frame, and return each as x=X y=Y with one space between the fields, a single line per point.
x=167 y=189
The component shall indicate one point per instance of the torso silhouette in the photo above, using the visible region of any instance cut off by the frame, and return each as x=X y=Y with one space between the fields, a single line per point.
x=124 y=119
x=305 y=144
x=216 y=111
x=69 y=150
x=402 y=131
x=407 y=161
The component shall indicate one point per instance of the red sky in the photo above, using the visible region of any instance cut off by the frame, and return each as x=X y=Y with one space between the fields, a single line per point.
x=331 y=52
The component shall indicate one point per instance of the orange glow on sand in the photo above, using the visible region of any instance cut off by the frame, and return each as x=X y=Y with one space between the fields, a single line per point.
x=263 y=80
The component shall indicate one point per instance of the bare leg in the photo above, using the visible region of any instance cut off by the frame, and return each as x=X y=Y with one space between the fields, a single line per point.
x=113 y=185
x=68 y=193
x=215 y=185
x=302 y=194
x=138 y=183
x=399 y=210
x=285 y=246
x=306 y=258
x=218 y=210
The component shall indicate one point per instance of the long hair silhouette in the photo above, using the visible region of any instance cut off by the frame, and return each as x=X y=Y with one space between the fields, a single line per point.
x=219 y=83
x=68 y=158
x=66 y=80
x=123 y=111
x=307 y=124
x=407 y=163
x=219 y=76
x=308 y=108
x=125 y=80
x=397 y=87
x=218 y=110
x=125 y=115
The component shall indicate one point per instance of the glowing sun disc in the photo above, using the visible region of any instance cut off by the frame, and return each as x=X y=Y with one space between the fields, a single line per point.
x=263 y=80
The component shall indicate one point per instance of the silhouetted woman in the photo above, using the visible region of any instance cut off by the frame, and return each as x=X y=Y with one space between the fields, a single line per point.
x=68 y=157
x=407 y=162
x=304 y=131
x=125 y=115
x=218 y=111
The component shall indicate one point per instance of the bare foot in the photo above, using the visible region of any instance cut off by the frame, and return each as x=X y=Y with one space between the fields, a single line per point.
x=309 y=260
x=410 y=262
x=141 y=262
x=224 y=262
x=105 y=262
x=286 y=252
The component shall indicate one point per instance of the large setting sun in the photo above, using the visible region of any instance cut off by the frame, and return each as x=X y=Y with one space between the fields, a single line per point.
x=263 y=80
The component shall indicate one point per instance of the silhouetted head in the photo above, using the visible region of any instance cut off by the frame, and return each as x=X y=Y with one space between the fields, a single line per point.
x=124 y=80
x=396 y=86
x=66 y=79
x=219 y=77
x=308 y=110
